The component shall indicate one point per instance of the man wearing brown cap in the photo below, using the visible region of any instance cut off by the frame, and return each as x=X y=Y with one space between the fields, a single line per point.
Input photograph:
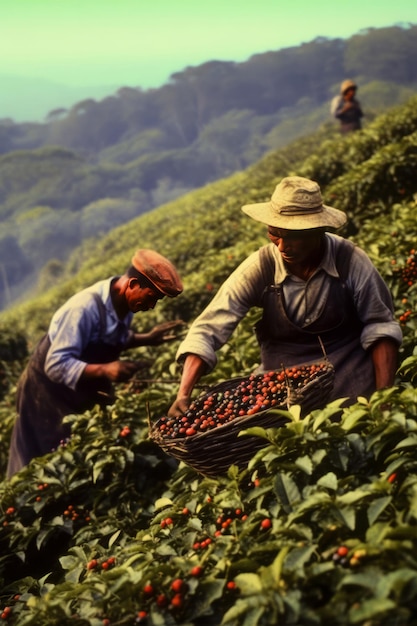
x=315 y=289
x=74 y=365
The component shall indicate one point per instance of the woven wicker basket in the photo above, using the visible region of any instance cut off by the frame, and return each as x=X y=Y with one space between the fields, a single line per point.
x=212 y=452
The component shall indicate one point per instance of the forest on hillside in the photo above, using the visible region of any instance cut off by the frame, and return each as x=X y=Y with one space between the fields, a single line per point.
x=318 y=528
x=102 y=163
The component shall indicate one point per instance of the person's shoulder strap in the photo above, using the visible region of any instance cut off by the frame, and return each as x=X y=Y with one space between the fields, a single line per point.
x=343 y=255
x=101 y=311
x=267 y=265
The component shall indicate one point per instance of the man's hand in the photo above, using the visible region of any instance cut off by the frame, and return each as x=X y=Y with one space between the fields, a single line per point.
x=164 y=332
x=179 y=407
x=194 y=368
x=159 y=334
x=119 y=371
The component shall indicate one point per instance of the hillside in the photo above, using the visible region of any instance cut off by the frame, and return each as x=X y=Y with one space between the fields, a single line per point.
x=319 y=529
x=99 y=164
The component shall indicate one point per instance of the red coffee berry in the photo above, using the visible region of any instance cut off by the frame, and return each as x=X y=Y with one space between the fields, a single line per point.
x=177 y=585
x=196 y=571
x=266 y=524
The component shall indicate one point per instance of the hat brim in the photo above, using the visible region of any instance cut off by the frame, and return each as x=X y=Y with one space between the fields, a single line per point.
x=327 y=217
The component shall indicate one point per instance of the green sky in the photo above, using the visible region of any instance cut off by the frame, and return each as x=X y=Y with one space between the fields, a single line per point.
x=142 y=42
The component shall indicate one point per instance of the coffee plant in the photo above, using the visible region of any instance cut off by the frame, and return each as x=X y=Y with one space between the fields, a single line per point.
x=317 y=528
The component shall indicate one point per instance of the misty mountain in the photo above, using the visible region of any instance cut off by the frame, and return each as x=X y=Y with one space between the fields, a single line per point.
x=25 y=98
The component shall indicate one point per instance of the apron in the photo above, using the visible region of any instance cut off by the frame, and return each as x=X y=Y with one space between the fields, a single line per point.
x=283 y=343
x=42 y=403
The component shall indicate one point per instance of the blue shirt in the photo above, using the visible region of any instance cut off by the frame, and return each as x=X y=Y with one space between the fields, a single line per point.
x=76 y=324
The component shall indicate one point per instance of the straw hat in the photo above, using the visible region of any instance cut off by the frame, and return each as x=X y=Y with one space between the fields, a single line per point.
x=159 y=271
x=296 y=204
x=347 y=84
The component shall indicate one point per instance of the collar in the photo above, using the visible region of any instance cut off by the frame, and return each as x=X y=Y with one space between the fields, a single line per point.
x=327 y=263
x=108 y=302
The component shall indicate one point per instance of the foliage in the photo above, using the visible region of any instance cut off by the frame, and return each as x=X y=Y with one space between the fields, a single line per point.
x=318 y=530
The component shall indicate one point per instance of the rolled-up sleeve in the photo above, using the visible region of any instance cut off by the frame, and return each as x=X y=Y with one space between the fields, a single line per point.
x=373 y=302
x=213 y=327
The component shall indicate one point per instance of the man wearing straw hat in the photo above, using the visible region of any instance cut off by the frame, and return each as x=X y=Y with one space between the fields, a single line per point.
x=75 y=364
x=318 y=291
x=346 y=107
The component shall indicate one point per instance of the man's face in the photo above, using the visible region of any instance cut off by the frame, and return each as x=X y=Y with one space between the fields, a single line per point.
x=141 y=298
x=297 y=247
x=350 y=94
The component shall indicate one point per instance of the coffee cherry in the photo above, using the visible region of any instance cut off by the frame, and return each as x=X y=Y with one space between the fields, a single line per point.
x=196 y=571
x=177 y=585
x=266 y=524
x=177 y=601
x=148 y=590
x=256 y=393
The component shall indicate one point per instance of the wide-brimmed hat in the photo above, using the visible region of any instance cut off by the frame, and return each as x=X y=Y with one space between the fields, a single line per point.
x=347 y=84
x=158 y=270
x=296 y=204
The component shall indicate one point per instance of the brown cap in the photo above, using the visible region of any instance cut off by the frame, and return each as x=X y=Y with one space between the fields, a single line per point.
x=159 y=271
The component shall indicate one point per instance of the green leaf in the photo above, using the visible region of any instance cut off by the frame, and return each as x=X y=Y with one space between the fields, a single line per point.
x=351 y=419
x=287 y=490
x=295 y=412
x=394 y=582
x=377 y=507
x=165 y=549
x=305 y=464
x=276 y=566
x=329 y=481
x=298 y=557
x=195 y=523
x=370 y=609
x=249 y=584
x=377 y=533
x=162 y=503
x=321 y=416
x=408 y=442
x=114 y=538
x=348 y=516
x=367 y=580
x=233 y=615
x=255 y=431
x=208 y=592
x=352 y=496
x=253 y=615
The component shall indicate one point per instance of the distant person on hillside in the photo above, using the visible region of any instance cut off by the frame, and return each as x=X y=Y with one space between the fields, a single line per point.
x=346 y=108
x=314 y=288
x=74 y=365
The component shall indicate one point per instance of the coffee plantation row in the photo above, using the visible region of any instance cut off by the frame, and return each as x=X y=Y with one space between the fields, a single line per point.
x=317 y=529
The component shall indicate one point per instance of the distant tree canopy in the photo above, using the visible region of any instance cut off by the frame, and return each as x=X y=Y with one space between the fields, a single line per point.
x=388 y=54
